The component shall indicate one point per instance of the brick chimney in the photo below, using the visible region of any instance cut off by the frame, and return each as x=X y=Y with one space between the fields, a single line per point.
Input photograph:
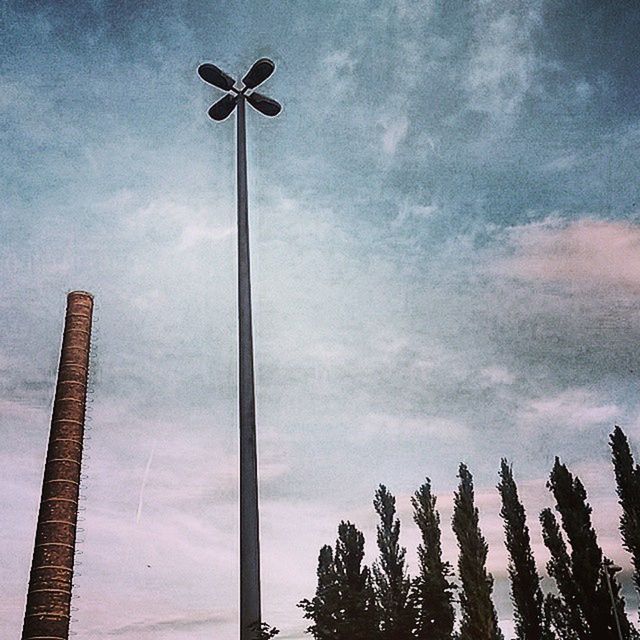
x=49 y=596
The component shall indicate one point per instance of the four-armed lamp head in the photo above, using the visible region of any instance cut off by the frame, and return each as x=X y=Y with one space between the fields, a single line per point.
x=258 y=73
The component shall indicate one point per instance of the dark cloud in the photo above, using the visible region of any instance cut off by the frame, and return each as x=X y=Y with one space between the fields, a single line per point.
x=174 y=624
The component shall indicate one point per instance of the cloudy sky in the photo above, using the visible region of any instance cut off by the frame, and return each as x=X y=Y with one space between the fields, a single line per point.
x=446 y=260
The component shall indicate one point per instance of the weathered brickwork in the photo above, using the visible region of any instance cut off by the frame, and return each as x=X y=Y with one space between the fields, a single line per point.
x=49 y=596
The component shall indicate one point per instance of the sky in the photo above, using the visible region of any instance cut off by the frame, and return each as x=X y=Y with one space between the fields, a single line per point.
x=446 y=267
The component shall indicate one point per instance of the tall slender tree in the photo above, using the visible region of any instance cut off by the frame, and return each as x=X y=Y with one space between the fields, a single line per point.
x=344 y=606
x=564 y=611
x=526 y=593
x=587 y=560
x=628 y=486
x=432 y=590
x=479 y=618
x=556 y=616
x=390 y=573
x=324 y=608
x=357 y=601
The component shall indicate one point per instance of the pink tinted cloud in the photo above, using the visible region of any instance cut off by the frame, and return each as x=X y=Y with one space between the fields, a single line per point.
x=585 y=252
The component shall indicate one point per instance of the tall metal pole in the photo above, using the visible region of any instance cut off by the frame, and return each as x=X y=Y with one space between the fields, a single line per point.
x=607 y=572
x=250 y=613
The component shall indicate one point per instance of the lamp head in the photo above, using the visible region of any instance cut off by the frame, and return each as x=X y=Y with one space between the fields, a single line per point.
x=260 y=70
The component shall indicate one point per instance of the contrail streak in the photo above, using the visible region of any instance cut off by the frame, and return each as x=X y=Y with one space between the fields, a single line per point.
x=145 y=477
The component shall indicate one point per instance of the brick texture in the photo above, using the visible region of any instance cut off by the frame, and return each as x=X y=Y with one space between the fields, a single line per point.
x=49 y=596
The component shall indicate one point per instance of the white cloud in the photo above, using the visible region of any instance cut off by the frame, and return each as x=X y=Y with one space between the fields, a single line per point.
x=10 y=93
x=338 y=62
x=336 y=69
x=183 y=224
x=408 y=210
x=394 y=132
x=584 y=90
x=193 y=234
x=502 y=63
x=573 y=408
x=498 y=375
x=399 y=427
x=414 y=10
x=23 y=412
x=563 y=162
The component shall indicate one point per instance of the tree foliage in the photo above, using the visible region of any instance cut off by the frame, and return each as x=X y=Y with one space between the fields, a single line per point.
x=390 y=573
x=323 y=609
x=479 y=618
x=352 y=603
x=526 y=593
x=432 y=590
x=555 y=614
x=344 y=606
x=591 y=597
x=263 y=631
x=564 y=612
x=628 y=487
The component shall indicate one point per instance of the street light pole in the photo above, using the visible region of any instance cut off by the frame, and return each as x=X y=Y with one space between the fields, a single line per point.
x=250 y=608
x=611 y=569
x=250 y=602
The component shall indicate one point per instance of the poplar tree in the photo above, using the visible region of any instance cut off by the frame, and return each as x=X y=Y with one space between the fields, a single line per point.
x=323 y=609
x=479 y=618
x=432 y=591
x=628 y=487
x=586 y=558
x=357 y=604
x=556 y=617
x=526 y=594
x=343 y=607
x=565 y=611
x=390 y=573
